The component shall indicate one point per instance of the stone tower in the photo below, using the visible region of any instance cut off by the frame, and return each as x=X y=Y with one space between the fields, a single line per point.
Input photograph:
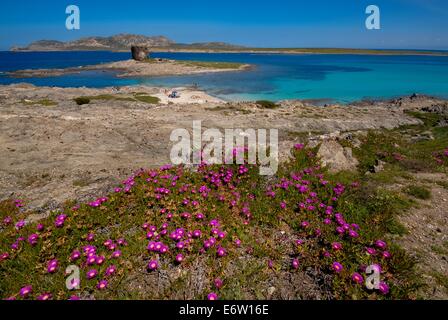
x=139 y=53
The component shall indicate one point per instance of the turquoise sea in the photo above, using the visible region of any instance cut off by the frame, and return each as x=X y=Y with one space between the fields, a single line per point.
x=342 y=78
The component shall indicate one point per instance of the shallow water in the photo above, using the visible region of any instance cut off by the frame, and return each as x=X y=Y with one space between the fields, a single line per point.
x=342 y=78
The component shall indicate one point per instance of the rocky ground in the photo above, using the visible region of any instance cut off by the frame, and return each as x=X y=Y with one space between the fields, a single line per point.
x=54 y=149
x=427 y=236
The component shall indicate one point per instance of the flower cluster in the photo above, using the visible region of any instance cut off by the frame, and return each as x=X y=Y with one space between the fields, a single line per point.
x=175 y=218
x=441 y=158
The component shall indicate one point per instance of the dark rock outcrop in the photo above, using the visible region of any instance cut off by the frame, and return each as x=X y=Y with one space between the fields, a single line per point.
x=139 y=53
x=438 y=108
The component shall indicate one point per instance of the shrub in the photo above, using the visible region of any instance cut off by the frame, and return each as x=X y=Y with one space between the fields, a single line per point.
x=419 y=192
x=82 y=100
x=147 y=99
x=266 y=104
x=221 y=219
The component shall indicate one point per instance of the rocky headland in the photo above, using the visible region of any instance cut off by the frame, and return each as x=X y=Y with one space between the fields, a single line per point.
x=134 y=68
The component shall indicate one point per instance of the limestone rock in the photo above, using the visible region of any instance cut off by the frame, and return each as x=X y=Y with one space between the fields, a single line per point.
x=424 y=136
x=335 y=157
x=379 y=166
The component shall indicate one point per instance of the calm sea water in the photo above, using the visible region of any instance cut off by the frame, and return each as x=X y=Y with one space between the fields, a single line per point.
x=342 y=78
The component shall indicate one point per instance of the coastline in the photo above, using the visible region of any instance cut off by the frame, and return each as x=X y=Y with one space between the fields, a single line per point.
x=298 y=51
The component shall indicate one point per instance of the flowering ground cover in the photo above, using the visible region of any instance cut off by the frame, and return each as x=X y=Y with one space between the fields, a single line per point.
x=219 y=232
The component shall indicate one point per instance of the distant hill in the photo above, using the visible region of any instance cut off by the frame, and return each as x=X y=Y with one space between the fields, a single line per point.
x=209 y=46
x=123 y=42
x=120 y=42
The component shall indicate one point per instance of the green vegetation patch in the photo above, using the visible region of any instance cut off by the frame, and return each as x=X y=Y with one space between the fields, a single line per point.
x=142 y=97
x=147 y=98
x=419 y=192
x=211 y=65
x=43 y=102
x=266 y=104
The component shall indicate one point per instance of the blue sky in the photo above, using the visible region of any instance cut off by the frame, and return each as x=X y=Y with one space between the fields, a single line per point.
x=419 y=24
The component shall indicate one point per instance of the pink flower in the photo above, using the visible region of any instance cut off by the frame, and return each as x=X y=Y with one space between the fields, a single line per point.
x=99 y=260
x=90 y=237
x=337 y=267
x=212 y=296
x=356 y=277
x=20 y=224
x=26 y=291
x=110 y=270
x=7 y=220
x=383 y=288
x=214 y=223
x=197 y=233
x=91 y=274
x=353 y=234
x=122 y=242
x=179 y=258
x=75 y=255
x=221 y=252
x=116 y=254
x=52 y=266
x=152 y=265
x=102 y=285
x=4 y=256
x=295 y=264
x=149 y=235
x=199 y=216
x=218 y=283
x=336 y=246
x=44 y=296
x=380 y=244
x=32 y=239
x=91 y=260
x=163 y=249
